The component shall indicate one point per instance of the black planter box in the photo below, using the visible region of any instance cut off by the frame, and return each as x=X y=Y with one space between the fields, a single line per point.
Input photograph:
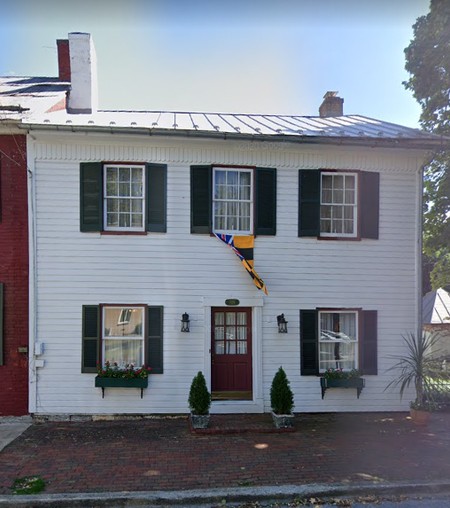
x=358 y=383
x=120 y=382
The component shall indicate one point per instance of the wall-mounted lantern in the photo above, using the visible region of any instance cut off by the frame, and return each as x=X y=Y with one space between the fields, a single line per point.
x=185 y=322
x=282 y=324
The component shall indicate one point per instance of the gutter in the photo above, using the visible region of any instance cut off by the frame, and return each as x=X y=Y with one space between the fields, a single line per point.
x=410 y=143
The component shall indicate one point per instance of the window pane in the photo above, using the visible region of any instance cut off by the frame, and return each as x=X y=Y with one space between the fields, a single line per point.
x=219 y=347
x=136 y=220
x=232 y=188
x=231 y=318
x=124 y=352
x=124 y=174
x=242 y=347
x=124 y=221
x=231 y=348
x=112 y=205
x=136 y=206
x=112 y=219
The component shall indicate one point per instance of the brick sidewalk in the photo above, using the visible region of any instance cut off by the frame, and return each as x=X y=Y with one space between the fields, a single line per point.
x=162 y=454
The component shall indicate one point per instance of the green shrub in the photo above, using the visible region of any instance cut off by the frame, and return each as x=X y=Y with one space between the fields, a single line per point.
x=28 y=485
x=199 y=397
x=281 y=396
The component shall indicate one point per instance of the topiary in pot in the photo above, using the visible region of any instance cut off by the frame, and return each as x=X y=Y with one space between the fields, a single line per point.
x=281 y=400
x=199 y=402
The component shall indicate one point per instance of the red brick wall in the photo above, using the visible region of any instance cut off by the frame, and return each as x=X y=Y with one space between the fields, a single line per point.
x=14 y=274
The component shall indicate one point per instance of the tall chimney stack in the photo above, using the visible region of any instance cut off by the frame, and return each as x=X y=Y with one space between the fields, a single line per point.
x=83 y=95
x=332 y=105
x=63 y=59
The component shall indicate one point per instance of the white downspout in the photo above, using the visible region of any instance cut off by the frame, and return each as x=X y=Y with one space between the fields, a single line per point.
x=420 y=175
x=32 y=379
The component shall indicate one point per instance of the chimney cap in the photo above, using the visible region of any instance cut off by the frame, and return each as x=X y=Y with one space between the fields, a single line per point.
x=330 y=94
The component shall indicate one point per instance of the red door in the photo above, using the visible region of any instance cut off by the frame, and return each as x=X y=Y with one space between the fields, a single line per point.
x=231 y=353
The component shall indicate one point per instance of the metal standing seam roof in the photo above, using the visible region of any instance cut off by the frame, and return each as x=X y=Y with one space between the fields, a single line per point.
x=436 y=308
x=30 y=100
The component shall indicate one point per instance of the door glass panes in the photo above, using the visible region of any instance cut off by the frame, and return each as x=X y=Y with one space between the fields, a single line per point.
x=232 y=201
x=124 y=197
x=123 y=335
x=338 y=204
x=338 y=340
x=230 y=333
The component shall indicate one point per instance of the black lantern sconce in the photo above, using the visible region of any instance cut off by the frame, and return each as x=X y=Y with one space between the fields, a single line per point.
x=282 y=324
x=185 y=322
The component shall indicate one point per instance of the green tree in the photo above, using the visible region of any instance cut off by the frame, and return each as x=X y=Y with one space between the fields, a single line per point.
x=428 y=63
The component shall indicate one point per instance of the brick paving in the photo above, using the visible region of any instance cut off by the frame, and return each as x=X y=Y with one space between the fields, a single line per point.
x=163 y=454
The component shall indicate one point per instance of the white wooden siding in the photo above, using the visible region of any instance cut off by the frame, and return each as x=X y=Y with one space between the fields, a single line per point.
x=182 y=271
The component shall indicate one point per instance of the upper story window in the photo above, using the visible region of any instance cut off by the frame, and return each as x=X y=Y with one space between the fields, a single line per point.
x=338 y=204
x=124 y=199
x=233 y=200
x=239 y=201
x=120 y=198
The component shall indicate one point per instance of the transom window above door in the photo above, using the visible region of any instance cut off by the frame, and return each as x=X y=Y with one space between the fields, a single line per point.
x=124 y=197
x=233 y=200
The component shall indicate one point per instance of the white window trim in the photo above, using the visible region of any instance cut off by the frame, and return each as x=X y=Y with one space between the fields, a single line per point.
x=354 y=234
x=127 y=337
x=144 y=197
x=252 y=193
x=355 y=341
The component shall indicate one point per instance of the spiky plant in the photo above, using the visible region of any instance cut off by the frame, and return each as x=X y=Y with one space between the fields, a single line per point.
x=416 y=368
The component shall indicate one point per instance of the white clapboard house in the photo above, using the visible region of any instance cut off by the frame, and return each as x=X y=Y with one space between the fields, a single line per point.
x=140 y=220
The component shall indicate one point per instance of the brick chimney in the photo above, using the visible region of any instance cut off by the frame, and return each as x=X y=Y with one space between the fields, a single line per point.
x=63 y=59
x=83 y=95
x=332 y=105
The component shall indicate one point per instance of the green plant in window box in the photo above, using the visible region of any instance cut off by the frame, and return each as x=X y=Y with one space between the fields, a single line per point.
x=113 y=376
x=127 y=372
x=342 y=374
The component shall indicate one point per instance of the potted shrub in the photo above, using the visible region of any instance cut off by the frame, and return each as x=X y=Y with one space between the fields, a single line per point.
x=199 y=402
x=281 y=400
x=338 y=378
x=113 y=376
x=417 y=368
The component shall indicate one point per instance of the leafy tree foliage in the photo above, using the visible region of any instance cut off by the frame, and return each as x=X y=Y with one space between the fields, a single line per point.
x=428 y=63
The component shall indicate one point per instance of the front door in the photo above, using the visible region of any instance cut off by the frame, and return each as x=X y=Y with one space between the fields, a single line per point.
x=231 y=353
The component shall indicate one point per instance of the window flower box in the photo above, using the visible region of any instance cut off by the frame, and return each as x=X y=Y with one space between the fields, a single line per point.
x=120 y=382
x=336 y=378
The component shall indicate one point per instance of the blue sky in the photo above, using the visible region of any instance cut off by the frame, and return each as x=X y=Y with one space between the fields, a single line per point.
x=233 y=56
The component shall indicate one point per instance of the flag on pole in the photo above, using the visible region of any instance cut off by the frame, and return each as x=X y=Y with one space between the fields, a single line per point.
x=242 y=246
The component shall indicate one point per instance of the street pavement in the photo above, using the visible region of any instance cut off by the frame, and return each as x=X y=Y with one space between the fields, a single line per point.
x=241 y=458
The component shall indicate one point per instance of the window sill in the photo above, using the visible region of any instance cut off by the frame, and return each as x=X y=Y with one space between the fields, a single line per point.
x=123 y=233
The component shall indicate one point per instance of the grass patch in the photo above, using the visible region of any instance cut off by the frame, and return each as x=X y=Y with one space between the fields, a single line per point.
x=28 y=485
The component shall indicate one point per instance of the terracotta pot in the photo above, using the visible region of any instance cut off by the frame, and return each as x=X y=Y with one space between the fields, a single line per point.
x=419 y=416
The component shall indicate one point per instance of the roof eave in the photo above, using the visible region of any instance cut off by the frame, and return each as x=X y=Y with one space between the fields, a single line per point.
x=401 y=142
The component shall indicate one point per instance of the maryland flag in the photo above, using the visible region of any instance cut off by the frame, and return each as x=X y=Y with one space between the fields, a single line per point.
x=242 y=246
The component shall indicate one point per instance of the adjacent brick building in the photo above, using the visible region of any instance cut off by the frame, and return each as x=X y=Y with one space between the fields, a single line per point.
x=13 y=275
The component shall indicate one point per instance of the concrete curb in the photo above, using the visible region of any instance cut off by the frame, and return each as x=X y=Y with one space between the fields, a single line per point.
x=201 y=497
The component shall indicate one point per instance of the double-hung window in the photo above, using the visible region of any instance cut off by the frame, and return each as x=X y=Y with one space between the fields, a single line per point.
x=233 y=200
x=338 y=340
x=123 y=339
x=338 y=204
x=122 y=334
x=124 y=197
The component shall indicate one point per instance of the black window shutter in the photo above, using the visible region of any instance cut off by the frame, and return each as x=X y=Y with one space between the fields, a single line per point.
x=309 y=343
x=1 y=324
x=91 y=196
x=201 y=199
x=156 y=197
x=368 y=342
x=90 y=351
x=266 y=201
x=155 y=350
x=309 y=202
x=370 y=204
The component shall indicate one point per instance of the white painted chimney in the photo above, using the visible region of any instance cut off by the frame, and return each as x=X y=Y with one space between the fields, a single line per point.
x=83 y=95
